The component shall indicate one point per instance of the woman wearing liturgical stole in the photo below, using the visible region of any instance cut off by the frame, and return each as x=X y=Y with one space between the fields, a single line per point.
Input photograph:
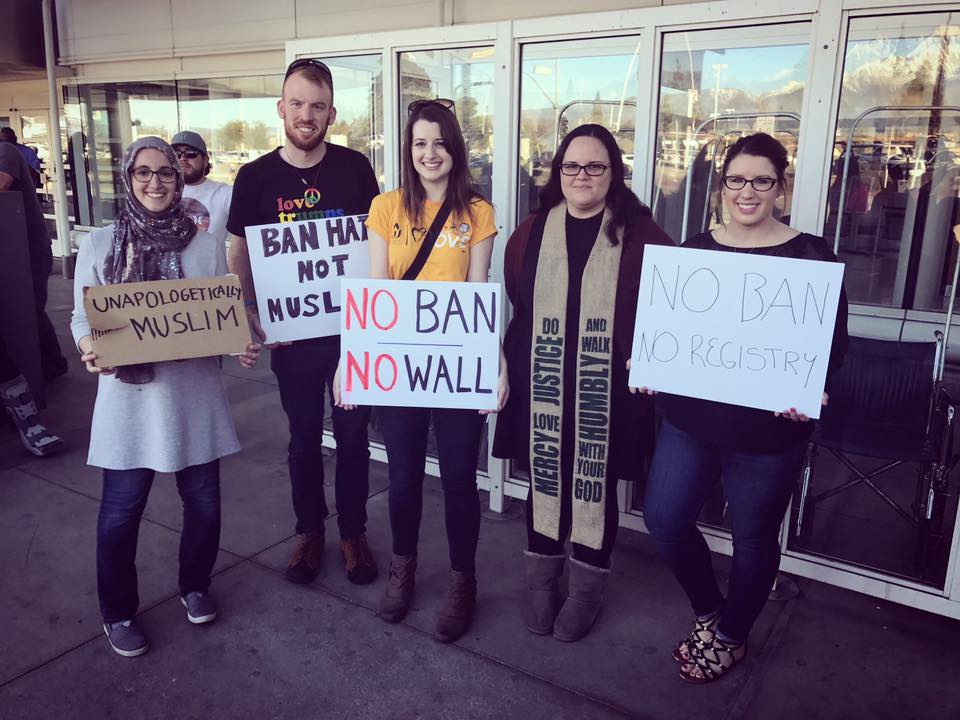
x=755 y=454
x=572 y=272
x=169 y=417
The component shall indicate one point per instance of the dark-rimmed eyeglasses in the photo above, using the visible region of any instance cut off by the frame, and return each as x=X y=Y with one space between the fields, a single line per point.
x=308 y=62
x=188 y=154
x=760 y=184
x=445 y=103
x=144 y=174
x=572 y=169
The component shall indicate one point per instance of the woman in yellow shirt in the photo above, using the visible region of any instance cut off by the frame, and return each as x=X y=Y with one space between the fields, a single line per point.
x=435 y=178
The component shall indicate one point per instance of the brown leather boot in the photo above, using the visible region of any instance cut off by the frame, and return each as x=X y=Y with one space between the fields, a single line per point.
x=582 y=606
x=455 y=617
x=358 y=560
x=307 y=558
x=542 y=600
x=399 y=592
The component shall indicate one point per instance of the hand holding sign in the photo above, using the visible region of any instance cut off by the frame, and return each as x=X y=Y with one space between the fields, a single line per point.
x=749 y=330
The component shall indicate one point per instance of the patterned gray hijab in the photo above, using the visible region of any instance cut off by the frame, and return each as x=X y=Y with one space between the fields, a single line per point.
x=147 y=245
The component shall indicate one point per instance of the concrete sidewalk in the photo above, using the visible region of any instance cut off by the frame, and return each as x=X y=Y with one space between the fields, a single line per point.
x=284 y=651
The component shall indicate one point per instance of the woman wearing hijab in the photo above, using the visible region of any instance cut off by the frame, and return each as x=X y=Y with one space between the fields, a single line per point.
x=154 y=417
x=572 y=272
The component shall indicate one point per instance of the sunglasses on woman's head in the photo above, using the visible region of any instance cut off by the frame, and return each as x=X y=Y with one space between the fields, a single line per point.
x=445 y=103
x=144 y=174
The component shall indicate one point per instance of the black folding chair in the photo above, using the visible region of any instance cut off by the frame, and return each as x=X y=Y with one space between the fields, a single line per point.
x=888 y=402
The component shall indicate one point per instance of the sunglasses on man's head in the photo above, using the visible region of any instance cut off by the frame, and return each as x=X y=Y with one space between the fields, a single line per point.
x=188 y=154
x=441 y=102
x=308 y=62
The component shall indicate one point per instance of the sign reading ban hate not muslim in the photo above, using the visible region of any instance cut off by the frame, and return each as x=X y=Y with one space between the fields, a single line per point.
x=166 y=320
x=297 y=268
x=743 y=329
x=420 y=344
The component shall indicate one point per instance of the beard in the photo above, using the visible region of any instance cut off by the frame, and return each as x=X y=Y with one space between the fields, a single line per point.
x=192 y=175
x=306 y=146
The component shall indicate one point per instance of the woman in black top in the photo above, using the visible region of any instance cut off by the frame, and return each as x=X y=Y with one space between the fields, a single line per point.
x=756 y=453
x=572 y=272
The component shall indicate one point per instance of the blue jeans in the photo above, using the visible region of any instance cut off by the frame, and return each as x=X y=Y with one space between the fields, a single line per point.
x=305 y=373
x=458 y=434
x=757 y=488
x=121 y=507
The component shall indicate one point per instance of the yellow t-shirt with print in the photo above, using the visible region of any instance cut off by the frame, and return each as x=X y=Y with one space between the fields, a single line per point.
x=450 y=257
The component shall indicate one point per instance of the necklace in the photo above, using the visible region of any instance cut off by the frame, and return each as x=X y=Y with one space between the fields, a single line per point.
x=297 y=170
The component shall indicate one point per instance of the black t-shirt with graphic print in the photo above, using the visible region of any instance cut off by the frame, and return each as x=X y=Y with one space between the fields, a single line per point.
x=269 y=190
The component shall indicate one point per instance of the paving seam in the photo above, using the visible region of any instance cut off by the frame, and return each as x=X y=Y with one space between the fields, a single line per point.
x=761 y=662
x=326 y=590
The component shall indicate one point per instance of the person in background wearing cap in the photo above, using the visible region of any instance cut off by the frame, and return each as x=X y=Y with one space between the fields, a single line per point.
x=308 y=178
x=205 y=201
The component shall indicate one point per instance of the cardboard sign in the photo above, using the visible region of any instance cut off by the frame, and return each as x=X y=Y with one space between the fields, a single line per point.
x=743 y=329
x=166 y=320
x=297 y=268
x=420 y=344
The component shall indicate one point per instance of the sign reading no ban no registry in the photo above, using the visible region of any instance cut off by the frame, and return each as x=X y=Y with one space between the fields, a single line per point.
x=420 y=344
x=743 y=329
x=297 y=269
x=166 y=320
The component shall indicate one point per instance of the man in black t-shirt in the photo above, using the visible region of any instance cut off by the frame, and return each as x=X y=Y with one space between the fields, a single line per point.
x=309 y=178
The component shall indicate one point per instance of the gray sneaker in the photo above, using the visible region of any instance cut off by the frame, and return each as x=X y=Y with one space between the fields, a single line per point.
x=126 y=638
x=200 y=607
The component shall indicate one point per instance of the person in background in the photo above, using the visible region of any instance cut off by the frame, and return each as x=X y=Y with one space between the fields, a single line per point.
x=17 y=399
x=572 y=273
x=436 y=179
x=143 y=413
x=8 y=135
x=756 y=454
x=308 y=178
x=206 y=201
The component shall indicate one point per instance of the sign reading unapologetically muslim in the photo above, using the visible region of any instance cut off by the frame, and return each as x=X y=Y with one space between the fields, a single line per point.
x=743 y=329
x=297 y=268
x=166 y=320
x=420 y=344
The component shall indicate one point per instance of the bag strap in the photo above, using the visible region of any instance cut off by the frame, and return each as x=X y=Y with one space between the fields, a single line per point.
x=429 y=241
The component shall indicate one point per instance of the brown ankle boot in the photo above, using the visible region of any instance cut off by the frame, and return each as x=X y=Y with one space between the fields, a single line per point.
x=307 y=558
x=399 y=592
x=358 y=560
x=582 y=606
x=457 y=614
x=542 y=600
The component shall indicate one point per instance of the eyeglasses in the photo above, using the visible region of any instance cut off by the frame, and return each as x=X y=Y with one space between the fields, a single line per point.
x=188 y=154
x=760 y=184
x=308 y=62
x=573 y=169
x=144 y=174
x=445 y=103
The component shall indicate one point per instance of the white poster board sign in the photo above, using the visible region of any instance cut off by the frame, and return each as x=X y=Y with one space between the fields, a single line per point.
x=420 y=344
x=743 y=329
x=297 y=268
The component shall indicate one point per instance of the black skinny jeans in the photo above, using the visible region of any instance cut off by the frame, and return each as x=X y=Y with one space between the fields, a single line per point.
x=458 y=434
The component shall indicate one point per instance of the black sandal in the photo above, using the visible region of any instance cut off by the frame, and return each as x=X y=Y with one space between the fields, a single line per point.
x=702 y=634
x=713 y=660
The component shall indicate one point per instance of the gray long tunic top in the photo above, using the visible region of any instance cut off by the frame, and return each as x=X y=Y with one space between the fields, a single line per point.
x=179 y=419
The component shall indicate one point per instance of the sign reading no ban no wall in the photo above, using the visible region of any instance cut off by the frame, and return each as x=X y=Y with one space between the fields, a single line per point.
x=743 y=329
x=420 y=344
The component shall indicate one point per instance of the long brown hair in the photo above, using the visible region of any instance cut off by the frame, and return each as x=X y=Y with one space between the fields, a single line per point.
x=460 y=188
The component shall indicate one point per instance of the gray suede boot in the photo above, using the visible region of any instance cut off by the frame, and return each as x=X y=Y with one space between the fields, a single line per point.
x=542 y=601
x=582 y=606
